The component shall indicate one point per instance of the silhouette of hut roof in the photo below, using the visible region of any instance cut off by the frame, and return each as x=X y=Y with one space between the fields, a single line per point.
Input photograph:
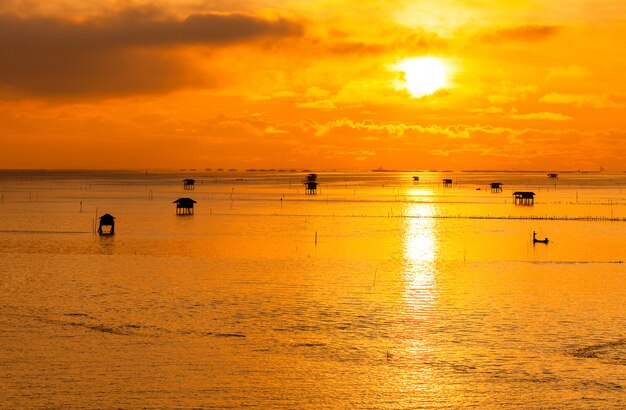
x=184 y=202
x=189 y=180
x=106 y=218
x=496 y=184
x=524 y=194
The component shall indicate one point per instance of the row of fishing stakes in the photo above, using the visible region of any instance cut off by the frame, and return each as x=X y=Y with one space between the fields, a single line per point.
x=184 y=206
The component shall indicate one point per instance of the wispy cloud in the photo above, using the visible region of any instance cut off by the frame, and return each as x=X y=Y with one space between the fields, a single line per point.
x=527 y=33
x=488 y=110
x=401 y=129
x=586 y=100
x=548 y=116
x=572 y=71
x=320 y=104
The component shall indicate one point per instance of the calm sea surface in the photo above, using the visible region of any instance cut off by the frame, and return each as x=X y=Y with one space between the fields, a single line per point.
x=376 y=293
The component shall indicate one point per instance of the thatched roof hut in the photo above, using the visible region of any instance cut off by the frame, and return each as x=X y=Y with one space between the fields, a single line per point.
x=189 y=183
x=184 y=206
x=106 y=220
x=524 y=198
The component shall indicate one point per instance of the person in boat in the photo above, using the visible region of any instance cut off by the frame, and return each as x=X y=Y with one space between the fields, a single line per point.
x=535 y=240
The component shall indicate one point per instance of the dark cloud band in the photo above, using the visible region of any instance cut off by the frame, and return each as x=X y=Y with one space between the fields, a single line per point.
x=124 y=52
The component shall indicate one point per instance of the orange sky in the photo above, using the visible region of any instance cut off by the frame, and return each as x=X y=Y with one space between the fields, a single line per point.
x=312 y=84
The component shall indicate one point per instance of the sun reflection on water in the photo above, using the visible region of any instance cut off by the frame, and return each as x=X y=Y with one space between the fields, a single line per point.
x=420 y=251
x=419 y=273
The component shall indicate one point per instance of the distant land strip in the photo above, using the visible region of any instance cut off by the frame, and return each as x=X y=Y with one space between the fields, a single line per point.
x=522 y=217
x=572 y=262
x=43 y=232
x=487 y=217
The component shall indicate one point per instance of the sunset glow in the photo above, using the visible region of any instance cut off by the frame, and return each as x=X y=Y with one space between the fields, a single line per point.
x=518 y=85
x=423 y=76
x=310 y=204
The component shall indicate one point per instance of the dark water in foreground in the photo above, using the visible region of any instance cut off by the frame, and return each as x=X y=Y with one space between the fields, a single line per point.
x=375 y=293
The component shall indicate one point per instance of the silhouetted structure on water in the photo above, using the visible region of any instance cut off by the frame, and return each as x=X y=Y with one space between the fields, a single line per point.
x=535 y=240
x=553 y=176
x=524 y=198
x=107 y=220
x=184 y=206
x=310 y=184
x=447 y=182
x=496 y=187
x=416 y=179
x=189 y=183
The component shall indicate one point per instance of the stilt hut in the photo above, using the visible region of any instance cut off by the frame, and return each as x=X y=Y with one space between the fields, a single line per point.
x=189 y=183
x=184 y=206
x=416 y=179
x=553 y=176
x=496 y=187
x=310 y=184
x=447 y=182
x=524 y=198
x=107 y=220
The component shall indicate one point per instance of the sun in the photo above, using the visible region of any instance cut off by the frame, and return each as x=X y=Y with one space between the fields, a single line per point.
x=423 y=75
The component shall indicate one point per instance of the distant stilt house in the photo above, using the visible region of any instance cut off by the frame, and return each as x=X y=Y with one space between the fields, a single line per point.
x=447 y=182
x=553 y=176
x=189 y=183
x=524 y=198
x=184 y=206
x=107 y=220
x=416 y=179
x=310 y=184
x=496 y=187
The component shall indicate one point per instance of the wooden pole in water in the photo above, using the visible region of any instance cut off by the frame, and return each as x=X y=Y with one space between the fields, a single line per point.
x=315 y=238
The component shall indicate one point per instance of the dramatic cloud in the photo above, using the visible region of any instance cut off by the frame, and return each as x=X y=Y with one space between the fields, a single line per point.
x=315 y=84
x=523 y=33
x=126 y=52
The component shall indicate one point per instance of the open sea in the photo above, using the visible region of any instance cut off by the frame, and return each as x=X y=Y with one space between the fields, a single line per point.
x=378 y=292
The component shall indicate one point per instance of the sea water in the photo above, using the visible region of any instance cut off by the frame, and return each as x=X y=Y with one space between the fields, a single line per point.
x=377 y=292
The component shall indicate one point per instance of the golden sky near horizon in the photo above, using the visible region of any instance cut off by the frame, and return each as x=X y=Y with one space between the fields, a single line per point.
x=398 y=84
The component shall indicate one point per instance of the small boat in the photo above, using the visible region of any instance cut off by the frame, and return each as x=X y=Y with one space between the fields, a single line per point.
x=535 y=240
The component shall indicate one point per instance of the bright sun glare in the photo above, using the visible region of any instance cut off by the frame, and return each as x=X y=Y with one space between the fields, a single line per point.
x=423 y=75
